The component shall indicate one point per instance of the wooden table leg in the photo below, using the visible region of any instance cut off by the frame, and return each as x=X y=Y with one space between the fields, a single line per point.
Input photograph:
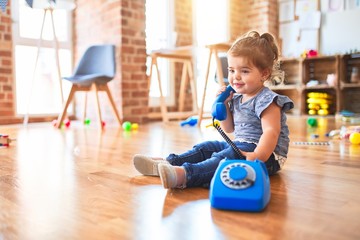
x=193 y=87
x=162 y=99
x=201 y=110
x=183 y=84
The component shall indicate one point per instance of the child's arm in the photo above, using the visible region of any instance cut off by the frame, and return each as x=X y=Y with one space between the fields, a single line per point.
x=271 y=125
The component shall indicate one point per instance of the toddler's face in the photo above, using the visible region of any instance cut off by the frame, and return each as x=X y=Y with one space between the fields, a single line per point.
x=244 y=77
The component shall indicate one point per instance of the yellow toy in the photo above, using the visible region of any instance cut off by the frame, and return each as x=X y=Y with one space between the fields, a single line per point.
x=354 y=138
x=319 y=103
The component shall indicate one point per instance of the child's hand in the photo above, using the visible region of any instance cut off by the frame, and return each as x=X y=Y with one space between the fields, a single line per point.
x=221 y=90
x=250 y=156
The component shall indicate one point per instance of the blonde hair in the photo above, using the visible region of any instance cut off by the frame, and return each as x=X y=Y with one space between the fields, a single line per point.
x=262 y=51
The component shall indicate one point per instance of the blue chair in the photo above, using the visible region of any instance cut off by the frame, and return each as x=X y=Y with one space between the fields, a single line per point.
x=96 y=68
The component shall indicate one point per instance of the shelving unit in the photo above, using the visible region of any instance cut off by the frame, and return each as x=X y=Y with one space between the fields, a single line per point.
x=293 y=82
x=304 y=76
x=350 y=91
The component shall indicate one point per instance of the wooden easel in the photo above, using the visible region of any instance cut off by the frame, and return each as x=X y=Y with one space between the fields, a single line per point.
x=46 y=10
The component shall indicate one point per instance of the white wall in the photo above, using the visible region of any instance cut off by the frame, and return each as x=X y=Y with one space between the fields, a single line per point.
x=340 y=32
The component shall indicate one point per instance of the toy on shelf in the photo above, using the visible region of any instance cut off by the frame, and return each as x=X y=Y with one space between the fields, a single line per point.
x=319 y=103
x=5 y=140
x=309 y=53
x=191 y=121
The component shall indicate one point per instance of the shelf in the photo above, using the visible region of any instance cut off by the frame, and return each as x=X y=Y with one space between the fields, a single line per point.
x=319 y=87
x=345 y=95
x=286 y=87
x=349 y=85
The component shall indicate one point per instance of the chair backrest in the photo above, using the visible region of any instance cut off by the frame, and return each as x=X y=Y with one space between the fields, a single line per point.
x=98 y=59
x=224 y=68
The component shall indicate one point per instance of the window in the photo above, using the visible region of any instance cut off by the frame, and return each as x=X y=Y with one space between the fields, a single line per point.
x=210 y=26
x=160 y=34
x=38 y=89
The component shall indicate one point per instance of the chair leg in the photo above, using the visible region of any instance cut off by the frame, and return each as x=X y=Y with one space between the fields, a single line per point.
x=98 y=104
x=64 y=111
x=85 y=106
x=118 y=117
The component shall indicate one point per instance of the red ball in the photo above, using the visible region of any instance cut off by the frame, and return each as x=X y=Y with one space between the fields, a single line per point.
x=67 y=123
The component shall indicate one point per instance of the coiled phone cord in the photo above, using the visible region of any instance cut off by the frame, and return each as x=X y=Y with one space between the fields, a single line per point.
x=227 y=139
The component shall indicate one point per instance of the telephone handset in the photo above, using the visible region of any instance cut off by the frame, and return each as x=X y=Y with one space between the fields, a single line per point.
x=218 y=110
x=237 y=184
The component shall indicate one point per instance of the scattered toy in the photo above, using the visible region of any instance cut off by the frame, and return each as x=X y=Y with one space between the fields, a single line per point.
x=312 y=122
x=354 y=138
x=312 y=143
x=128 y=126
x=191 y=121
x=5 y=140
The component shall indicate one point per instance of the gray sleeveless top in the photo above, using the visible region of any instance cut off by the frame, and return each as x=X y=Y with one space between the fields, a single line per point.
x=247 y=118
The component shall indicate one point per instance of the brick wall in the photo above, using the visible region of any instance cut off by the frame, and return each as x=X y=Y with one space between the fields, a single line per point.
x=184 y=30
x=122 y=23
x=7 y=103
x=246 y=15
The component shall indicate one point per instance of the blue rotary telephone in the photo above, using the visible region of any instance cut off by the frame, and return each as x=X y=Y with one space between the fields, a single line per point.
x=238 y=185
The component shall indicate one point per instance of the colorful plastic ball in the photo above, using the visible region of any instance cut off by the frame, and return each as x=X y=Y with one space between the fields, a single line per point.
x=355 y=138
x=103 y=123
x=87 y=121
x=134 y=126
x=312 y=122
x=126 y=126
x=67 y=123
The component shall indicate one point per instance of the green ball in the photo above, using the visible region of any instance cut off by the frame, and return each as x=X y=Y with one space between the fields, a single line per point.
x=87 y=121
x=312 y=122
x=126 y=126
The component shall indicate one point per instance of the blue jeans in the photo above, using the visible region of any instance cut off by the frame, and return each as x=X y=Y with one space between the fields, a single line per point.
x=201 y=161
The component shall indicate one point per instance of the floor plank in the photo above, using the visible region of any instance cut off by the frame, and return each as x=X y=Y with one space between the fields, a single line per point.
x=79 y=183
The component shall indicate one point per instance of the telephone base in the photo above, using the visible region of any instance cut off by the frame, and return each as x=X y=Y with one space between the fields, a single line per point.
x=240 y=185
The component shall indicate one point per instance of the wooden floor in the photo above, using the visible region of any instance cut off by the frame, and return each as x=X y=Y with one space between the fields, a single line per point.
x=79 y=183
